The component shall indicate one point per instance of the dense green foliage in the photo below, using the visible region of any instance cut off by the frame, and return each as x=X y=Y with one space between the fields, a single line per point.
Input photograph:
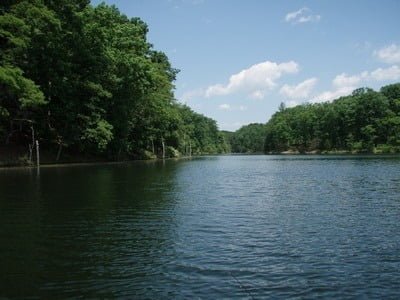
x=248 y=139
x=86 y=80
x=366 y=121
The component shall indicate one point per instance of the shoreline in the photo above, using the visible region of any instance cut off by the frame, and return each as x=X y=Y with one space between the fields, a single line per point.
x=88 y=163
x=47 y=164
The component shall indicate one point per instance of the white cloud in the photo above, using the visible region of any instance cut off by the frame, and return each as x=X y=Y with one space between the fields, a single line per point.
x=331 y=95
x=380 y=74
x=391 y=73
x=216 y=90
x=300 y=91
x=224 y=106
x=291 y=103
x=344 y=84
x=303 y=15
x=344 y=80
x=227 y=107
x=254 y=80
x=189 y=95
x=295 y=14
x=389 y=54
x=257 y=95
x=310 y=18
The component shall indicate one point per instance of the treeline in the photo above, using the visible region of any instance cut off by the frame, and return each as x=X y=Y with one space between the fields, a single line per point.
x=84 y=79
x=365 y=121
x=247 y=139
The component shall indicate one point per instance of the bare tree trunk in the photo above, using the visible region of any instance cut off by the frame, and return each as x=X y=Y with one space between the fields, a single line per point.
x=163 y=148
x=30 y=153
x=59 y=152
x=152 y=145
x=37 y=154
x=190 y=148
x=31 y=145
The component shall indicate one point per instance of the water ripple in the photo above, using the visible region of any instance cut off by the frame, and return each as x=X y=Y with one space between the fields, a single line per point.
x=243 y=227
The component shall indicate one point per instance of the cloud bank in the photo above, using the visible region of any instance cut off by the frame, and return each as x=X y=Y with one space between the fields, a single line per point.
x=344 y=84
x=300 y=91
x=255 y=80
x=389 y=54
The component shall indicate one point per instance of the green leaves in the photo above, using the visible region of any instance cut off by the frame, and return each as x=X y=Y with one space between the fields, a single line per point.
x=15 y=86
x=91 y=82
x=362 y=122
x=98 y=133
x=13 y=33
x=249 y=139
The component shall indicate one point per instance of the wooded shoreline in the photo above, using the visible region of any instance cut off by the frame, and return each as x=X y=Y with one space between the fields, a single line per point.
x=84 y=83
x=53 y=163
x=83 y=79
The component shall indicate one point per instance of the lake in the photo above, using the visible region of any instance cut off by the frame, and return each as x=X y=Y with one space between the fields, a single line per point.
x=234 y=227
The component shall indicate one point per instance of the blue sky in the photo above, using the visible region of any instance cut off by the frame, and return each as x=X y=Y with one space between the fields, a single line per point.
x=240 y=59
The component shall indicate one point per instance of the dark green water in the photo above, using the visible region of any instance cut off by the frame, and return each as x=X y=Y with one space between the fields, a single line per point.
x=245 y=227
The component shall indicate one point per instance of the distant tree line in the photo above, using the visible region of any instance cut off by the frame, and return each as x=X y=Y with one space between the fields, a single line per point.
x=247 y=139
x=365 y=121
x=84 y=79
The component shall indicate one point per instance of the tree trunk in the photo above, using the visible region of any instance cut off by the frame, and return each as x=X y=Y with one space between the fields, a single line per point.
x=31 y=145
x=33 y=135
x=163 y=148
x=37 y=154
x=30 y=153
x=190 y=148
x=59 y=152
x=152 y=145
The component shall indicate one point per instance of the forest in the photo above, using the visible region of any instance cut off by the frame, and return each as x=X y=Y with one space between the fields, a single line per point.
x=85 y=81
x=366 y=121
x=247 y=139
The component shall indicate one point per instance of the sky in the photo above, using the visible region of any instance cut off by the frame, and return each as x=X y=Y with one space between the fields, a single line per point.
x=239 y=60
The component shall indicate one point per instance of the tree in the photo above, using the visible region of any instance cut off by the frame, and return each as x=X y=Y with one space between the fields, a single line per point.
x=364 y=121
x=249 y=139
x=91 y=83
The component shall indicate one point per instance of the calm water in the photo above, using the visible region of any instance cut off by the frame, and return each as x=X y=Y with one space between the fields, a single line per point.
x=245 y=227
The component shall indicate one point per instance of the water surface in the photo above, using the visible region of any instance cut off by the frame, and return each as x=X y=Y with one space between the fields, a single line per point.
x=235 y=227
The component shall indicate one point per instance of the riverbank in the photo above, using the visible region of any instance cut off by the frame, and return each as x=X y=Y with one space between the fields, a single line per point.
x=319 y=152
x=375 y=151
x=17 y=157
x=11 y=160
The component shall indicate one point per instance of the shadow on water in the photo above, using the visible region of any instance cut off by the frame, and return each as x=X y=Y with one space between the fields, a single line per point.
x=74 y=228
